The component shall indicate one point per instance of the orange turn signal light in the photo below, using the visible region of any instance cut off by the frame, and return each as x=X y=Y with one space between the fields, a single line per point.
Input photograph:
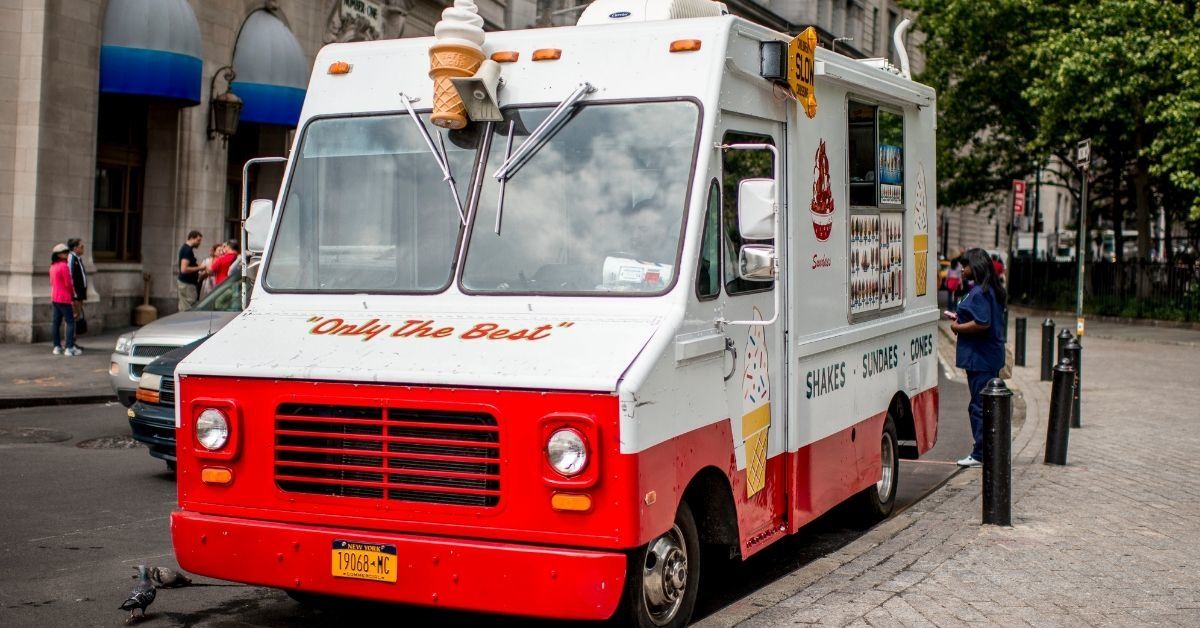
x=575 y=502
x=147 y=395
x=685 y=45
x=339 y=67
x=216 y=475
x=547 y=54
x=506 y=56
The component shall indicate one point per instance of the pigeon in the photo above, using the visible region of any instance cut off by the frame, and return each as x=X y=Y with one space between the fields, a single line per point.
x=167 y=578
x=142 y=595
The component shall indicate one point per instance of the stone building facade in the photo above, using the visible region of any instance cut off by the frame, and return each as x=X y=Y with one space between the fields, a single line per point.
x=125 y=158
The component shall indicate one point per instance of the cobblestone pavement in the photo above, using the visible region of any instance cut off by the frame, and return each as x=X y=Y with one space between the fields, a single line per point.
x=1112 y=539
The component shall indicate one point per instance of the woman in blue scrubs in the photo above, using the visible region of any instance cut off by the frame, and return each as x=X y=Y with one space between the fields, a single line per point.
x=981 y=324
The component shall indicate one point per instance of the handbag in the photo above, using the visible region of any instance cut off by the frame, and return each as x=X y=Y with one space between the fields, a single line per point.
x=81 y=326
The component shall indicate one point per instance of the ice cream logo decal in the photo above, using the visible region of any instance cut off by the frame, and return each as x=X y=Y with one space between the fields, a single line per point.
x=822 y=201
x=429 y=328
x=921 y=237
x=756 y=407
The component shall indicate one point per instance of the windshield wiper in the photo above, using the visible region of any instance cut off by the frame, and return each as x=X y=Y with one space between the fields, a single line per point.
x=438 y=156
x=542 y=134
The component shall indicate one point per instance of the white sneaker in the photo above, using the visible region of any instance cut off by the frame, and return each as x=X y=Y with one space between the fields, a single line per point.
x=969 y=462
x=73 y=351
x=58 y=351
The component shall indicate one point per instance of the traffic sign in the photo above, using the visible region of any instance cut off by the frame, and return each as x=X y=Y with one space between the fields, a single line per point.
x=1083 y=153
x=1018 y=189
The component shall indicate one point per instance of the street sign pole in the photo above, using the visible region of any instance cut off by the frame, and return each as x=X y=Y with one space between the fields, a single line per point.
x=1083 y=159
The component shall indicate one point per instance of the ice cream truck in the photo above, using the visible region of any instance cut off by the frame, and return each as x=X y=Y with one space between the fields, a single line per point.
x=544 y=312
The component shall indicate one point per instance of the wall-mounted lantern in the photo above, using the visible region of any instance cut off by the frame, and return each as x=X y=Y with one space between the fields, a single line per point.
x=224 y=109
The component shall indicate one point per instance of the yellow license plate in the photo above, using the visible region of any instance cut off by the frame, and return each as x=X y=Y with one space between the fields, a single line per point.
x=365 y=561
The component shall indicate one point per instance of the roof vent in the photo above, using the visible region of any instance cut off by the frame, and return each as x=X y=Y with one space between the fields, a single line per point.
x=618 y=11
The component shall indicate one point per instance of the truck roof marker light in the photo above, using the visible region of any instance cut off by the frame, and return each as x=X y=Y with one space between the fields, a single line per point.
x=547 y=54
x=571 y=502
x=340 y=67
x=506 y=56
x=685 y=45
x=216 y=475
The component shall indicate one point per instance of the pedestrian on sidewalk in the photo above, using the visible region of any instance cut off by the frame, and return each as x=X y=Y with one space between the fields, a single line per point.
x=208 y=283
x=62 y=296
x=188 y=281
x=221 y=265
x=78 y=282
x=981 y=324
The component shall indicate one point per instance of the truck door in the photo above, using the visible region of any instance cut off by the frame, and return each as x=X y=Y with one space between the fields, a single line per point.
x=756 y=384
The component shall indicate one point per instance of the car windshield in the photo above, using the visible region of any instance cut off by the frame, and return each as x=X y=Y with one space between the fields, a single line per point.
x=226 y=297
x=368 y=210
x=599 y=209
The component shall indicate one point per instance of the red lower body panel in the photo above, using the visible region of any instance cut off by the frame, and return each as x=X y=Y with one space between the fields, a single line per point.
x=481 y=576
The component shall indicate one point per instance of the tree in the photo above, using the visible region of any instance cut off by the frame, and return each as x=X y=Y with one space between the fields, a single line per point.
x=1020 y=80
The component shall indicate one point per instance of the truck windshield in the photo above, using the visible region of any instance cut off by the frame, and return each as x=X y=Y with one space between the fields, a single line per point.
x=599 y=209
x=367 y=209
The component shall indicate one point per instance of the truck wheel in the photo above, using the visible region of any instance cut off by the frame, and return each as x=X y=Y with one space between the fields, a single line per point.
x=879 y=499
x=663 y=576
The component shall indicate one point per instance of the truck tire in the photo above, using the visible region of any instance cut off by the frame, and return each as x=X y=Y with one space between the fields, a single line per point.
x=879 y=499
x=663 y=577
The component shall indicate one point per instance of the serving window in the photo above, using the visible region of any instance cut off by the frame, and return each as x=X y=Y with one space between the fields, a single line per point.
x=875 y=140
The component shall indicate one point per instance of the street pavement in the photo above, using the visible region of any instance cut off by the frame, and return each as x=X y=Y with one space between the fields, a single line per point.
x=1110 y=539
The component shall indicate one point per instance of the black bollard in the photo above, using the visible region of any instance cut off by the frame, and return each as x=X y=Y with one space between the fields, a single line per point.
x=1019 y=351
x=1047 y=350
x=1074 y=353
x=1063 y=337
x=997 y=453
x=1059 y=429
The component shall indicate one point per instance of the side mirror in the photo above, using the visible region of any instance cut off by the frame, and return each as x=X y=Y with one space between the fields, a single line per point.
x=756 y=209
x=258 y=224
x=756 y=262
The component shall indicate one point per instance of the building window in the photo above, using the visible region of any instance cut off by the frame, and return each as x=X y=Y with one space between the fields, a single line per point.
x=120 y=176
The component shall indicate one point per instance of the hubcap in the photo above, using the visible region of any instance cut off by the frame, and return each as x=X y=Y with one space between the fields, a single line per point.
x=887 y=456
x=664 y=576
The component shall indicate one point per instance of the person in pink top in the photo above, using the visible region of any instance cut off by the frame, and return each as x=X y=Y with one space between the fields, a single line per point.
x=62 y=297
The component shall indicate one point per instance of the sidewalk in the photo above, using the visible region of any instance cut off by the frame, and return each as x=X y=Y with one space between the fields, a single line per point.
x=1111 y=539
x=31 y=376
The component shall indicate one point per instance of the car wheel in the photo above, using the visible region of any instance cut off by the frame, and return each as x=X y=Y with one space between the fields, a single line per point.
x=663 y=577
x=879 y=499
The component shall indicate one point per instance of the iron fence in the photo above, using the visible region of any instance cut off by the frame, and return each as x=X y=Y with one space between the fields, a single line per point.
x=1130 y=289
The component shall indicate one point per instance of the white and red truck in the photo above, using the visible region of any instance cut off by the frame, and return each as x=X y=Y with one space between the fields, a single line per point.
x=668 y=286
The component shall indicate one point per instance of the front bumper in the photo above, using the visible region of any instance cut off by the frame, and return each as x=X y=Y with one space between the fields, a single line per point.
x=154 y=425
x=480 y=576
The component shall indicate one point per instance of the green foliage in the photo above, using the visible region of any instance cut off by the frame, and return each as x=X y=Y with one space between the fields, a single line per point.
x=1022 y=80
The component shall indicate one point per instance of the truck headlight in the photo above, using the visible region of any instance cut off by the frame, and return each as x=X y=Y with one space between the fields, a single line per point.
x=567 y=452
x=212 y=429
x=124 y=341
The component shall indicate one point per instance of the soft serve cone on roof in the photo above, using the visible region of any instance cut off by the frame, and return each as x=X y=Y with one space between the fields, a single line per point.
x=457 y=52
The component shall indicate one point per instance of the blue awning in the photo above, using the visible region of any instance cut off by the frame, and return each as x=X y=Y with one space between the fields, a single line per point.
x=151 y=48
x=272 y=71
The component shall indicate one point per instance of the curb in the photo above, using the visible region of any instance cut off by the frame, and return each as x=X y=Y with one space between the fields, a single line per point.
x=796 y=581
x=37 y=402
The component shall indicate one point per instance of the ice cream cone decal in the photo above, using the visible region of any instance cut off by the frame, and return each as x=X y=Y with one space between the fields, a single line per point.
x=921 y=238
x=756 y=407
x=821 y=207
x=458 y=52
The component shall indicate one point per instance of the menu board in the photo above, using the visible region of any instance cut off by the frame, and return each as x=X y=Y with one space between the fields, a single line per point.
x=864 y=263
x=891 y=247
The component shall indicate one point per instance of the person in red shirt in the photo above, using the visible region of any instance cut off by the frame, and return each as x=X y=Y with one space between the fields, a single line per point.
x=220 y=266
x=62 y=298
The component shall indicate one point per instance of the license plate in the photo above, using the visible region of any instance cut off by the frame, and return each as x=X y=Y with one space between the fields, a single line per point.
x=364 y=561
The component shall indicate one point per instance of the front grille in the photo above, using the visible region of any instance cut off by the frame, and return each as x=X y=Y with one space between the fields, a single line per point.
x=151 y=351
x=166 y=391
x=388 y=453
